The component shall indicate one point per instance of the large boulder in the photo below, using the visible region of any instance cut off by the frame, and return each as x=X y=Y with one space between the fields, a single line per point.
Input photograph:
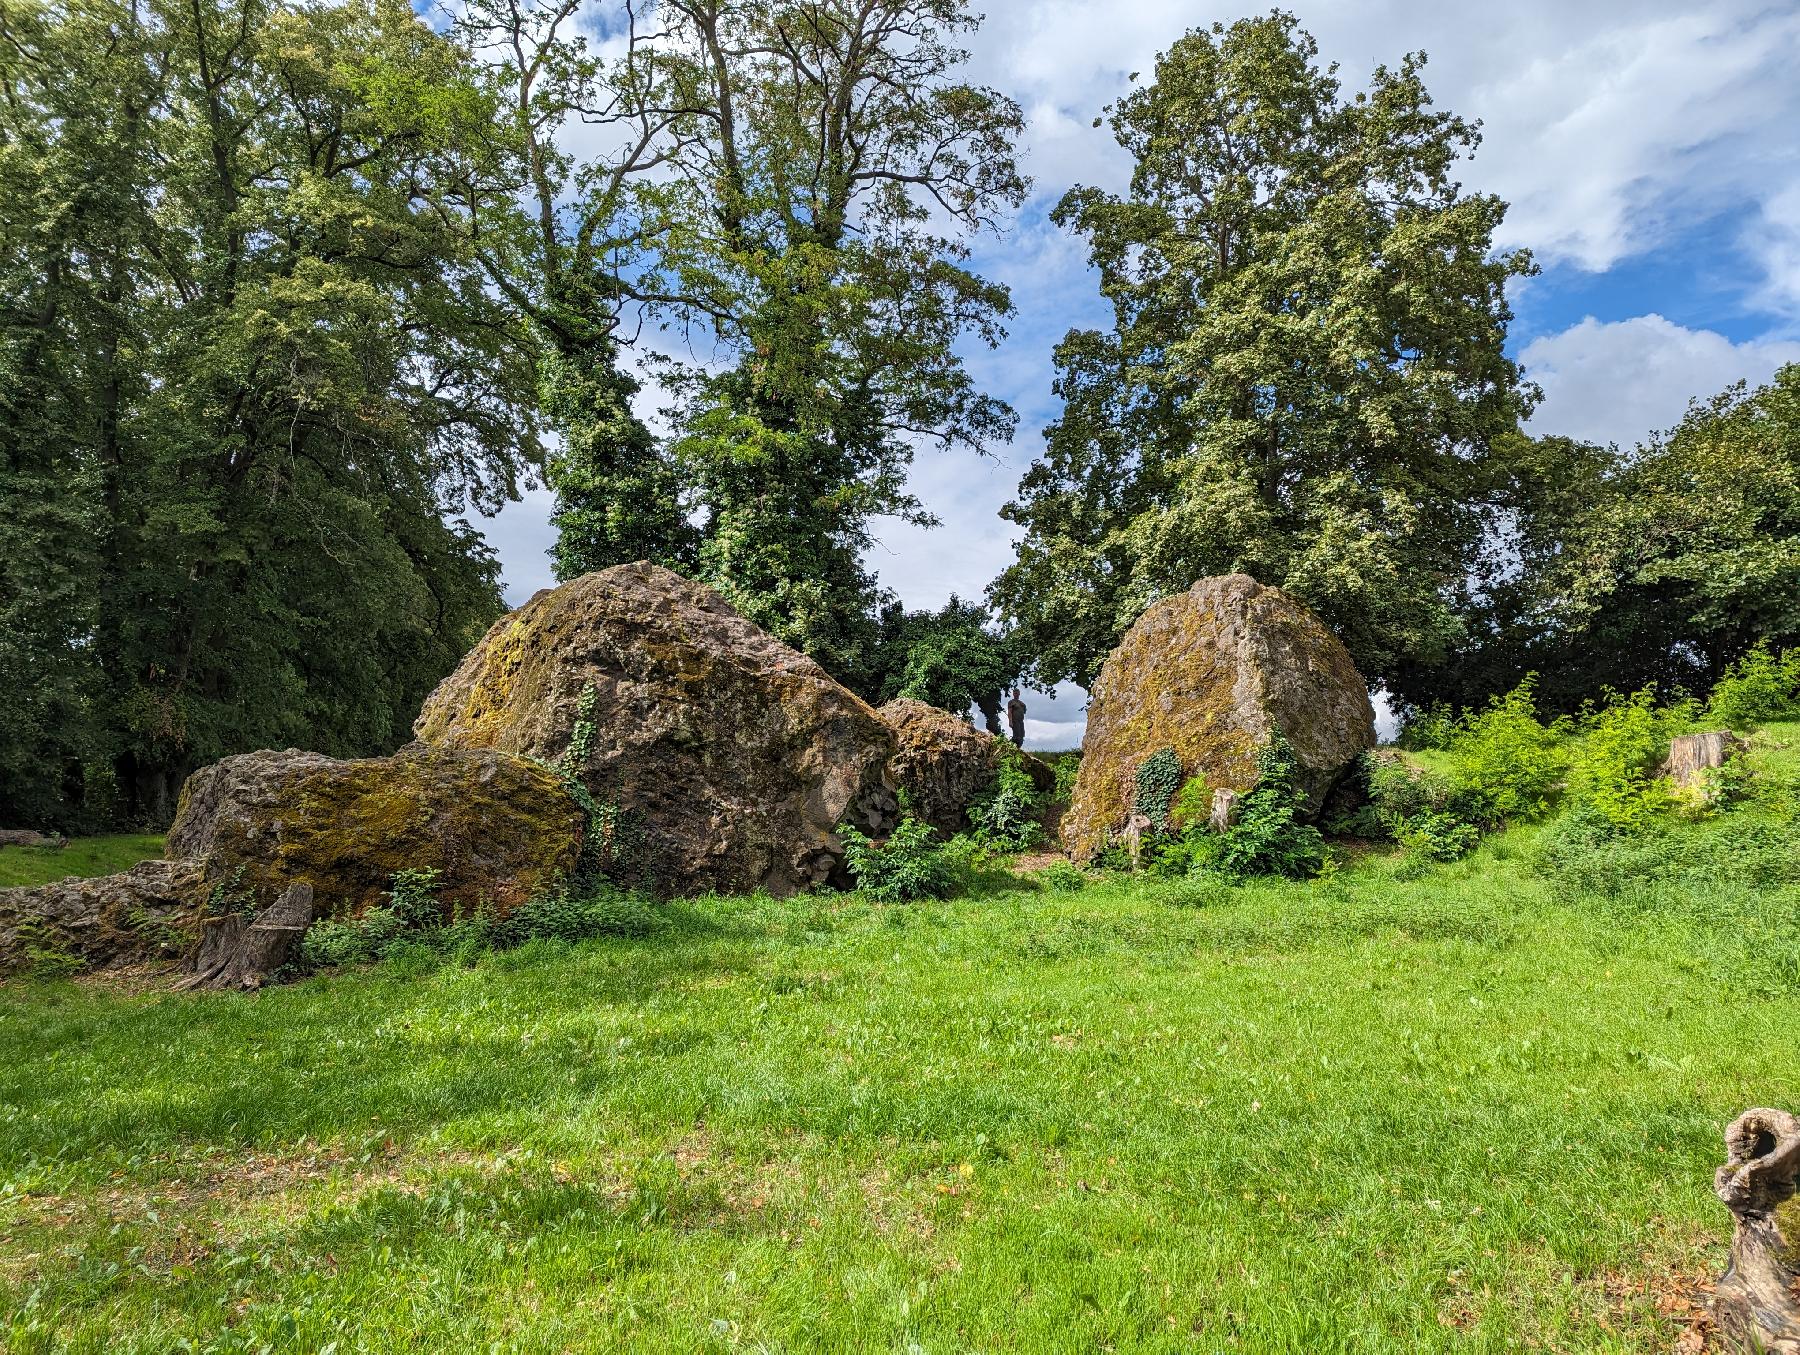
x=943 y=764
x=1212 y=673
x=149 y=912
x=719 y=758
x=499 y=828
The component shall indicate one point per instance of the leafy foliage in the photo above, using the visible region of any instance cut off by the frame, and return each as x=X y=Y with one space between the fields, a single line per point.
x=1759 y=687
x=1270 y=836
x=1305 y=375
x=251 y=378
x=1157 y=781
x=1613 y=760
x=413 y=927
x=910 y=865
x=951 y=658
x=1010 y=813
x=1505 y=762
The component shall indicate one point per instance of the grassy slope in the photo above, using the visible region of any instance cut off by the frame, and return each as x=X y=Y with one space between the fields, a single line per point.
x=1365 y=1114
x=84 y=856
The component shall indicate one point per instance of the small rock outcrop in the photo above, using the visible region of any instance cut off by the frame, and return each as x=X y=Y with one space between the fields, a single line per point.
x=1212 y=673
x=721 y=758
x=497 y=827
x=943 y=764
x=149 y=912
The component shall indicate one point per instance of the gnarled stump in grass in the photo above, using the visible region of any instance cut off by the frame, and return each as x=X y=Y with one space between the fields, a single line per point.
x=1758 y=1304
x=234 y=954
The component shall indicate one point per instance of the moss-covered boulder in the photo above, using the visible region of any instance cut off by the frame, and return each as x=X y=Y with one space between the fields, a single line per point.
x=943 y=764
x=719 y=758
x=499 y=828
x=150 y=912
x=1211 y=674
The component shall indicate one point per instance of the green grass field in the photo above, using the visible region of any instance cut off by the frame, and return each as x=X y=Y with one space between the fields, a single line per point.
x=1464 y=1112
x=83 y=856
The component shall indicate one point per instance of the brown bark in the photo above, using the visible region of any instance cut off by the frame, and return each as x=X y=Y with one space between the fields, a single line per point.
x=1757 y=1304
x=234 y=954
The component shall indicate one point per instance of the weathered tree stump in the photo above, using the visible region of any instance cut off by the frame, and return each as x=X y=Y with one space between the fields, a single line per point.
x=1692 y=755
x=1758 y=1303
x=236 y=954
x=1225 y=806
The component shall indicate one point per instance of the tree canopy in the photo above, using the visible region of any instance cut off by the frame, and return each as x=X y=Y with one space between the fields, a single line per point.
x=249 y=377
x=1305 y=374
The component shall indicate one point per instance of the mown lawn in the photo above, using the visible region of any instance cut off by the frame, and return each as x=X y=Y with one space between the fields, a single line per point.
x=1363 y=1114
x=83 y=856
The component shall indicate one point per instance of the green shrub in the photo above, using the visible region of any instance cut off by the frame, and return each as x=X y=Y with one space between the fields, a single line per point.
x=1192 y=805
x=1269 y=837
x=1587 y=852
x=1759 y=687
x=910 y=865
x=578 y=915
x=1400 y=790
x=1010 y=812
x=1063 y=877
x=1068 y=768
x=1505 y=762
x=411 y=925
x=413 y=898
x=1426 y=728
x=1613 y=759
x=1435 y=836
x=1158 y=780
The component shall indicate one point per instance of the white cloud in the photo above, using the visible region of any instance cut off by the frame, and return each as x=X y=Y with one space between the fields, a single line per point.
x=1622 y=381
x=1607 y=124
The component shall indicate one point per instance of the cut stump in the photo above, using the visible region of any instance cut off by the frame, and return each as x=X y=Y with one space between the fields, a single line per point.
x=1693 y=755
x=236 y=954
x=1757 y=1305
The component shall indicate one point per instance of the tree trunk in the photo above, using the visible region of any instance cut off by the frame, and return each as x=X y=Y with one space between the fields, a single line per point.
x=1757 y=1304
x=236 y=955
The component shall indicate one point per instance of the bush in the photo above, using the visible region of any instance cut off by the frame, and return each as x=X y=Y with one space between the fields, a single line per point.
x=1435 y=836
x=1428 y=727
x=1269 y=837
x=909 y=865
x=1613 y=761
x=1399 y=790
x=1063 y=877
x=1068 y=768
x=410 y=928
x=1010 y=813
x=1192 y=805
x=567 y=915
x=1505 y=762
x=1759 y=687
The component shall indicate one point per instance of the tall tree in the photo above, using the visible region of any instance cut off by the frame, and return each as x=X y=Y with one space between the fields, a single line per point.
x=824 y=177
x=576 y=260
x=1305 y=374
x=277 y=369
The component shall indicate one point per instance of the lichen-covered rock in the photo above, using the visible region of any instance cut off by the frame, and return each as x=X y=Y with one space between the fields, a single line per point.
x=722 y=758
x=1212 y=673
x=499 y=828
x=943 y=764
x=150 y=912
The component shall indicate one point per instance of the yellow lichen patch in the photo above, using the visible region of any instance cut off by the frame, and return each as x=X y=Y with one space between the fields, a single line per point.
x=498 y=828
x=1211 y=674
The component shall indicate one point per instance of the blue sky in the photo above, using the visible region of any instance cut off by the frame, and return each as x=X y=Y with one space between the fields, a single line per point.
x=1651 y=152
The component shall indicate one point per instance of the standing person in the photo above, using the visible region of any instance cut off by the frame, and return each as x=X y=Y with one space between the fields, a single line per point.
x=1015 y=716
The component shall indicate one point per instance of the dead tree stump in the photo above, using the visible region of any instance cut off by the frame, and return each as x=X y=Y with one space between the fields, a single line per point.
x=236 y=954
x=1691 y=756
x=1758 y=1304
